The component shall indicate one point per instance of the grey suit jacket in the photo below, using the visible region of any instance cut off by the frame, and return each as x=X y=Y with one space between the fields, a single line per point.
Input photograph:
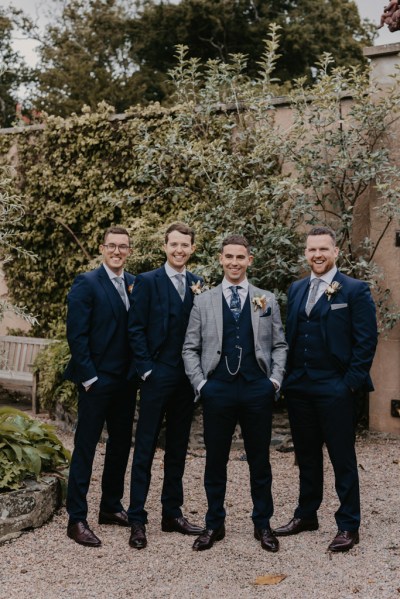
x=203 y=343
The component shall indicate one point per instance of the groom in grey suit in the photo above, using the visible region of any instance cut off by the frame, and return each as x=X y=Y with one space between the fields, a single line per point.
x=235 y=354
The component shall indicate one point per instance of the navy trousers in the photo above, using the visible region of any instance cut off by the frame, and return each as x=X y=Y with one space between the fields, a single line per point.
x=325 y=412
x=109 y=401
x=165 y=393
x=224 y=405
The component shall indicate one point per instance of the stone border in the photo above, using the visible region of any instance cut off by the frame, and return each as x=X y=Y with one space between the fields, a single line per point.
x=29 y=507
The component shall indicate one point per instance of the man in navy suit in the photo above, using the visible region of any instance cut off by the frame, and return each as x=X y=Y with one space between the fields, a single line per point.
x=161 y=303
x=332 y=334
x=97 y=332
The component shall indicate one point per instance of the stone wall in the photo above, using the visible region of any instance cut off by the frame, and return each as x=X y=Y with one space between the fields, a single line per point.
x=386 y=368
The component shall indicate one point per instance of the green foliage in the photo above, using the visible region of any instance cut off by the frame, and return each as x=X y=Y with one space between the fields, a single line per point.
x=12 y=214
x=120 y=52
x=217 y=29
x=53 y=390
x=339 y=149
x=218 y=159
x=27 y=448
x=85 y=59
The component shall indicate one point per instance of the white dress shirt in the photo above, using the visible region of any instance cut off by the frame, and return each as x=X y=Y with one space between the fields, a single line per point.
x=171 y=272
x=326 y=279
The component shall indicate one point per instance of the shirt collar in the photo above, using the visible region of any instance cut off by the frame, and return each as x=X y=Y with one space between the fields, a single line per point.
x=226 y=284
x=327 y=277
x=171 y=272
x=112 y=274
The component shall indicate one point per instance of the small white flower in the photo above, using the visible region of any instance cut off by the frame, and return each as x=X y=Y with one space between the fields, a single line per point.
x=332 y=289
x=198 y=288
x=259 y=302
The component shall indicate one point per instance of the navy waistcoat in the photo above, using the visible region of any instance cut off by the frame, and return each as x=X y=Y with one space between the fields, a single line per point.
x=240 y=334
x=310 y=355
x=179 y=311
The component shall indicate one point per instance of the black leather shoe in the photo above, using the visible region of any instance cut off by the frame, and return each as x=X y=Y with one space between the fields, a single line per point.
x=119 y=518
x=137 y=539
x=207 y=539
x=295 y=526
x=81 y=533
x=269 y=542
x=181 y=525
x=344 y=540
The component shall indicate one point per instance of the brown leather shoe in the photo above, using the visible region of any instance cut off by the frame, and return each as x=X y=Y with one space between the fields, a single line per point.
x=344 y=540
x=207 y=539
x=269 y=542
x=119 y=518
x=181 y=525
x=295 y=526
x=137 y=539
x=81 y=533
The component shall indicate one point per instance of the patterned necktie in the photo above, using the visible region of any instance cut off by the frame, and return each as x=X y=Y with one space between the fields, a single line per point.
x=119 y=285
x=313 y=295
x=235 y=305
x=181 y=285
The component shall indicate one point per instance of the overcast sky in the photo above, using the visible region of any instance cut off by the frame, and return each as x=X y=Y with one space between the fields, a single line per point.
x=370 y=9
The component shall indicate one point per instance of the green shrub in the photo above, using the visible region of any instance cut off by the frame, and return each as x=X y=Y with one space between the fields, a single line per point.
x=53 y=390
x=27 y=449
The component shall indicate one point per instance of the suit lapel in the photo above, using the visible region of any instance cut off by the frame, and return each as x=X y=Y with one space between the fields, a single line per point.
x=292 y=320
x=190 y=280
x=161 y=281
x=255 y=314
x=110 y=291
x=326 y=306
x=129 y=282
x=216 y=303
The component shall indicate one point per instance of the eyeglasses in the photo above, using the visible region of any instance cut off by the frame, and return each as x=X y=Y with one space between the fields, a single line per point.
x=111 y=247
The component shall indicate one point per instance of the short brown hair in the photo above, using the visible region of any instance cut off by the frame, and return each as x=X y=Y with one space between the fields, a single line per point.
x=235 y=240
x=181 y=228
x=115 y=231
x=323 y=230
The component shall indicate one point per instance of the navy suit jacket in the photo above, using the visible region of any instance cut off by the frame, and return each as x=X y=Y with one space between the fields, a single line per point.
x=148 y=318
x=348 y=327
x=94 y=306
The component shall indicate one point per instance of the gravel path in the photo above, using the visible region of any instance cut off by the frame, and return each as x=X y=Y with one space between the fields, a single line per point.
x=44 y=563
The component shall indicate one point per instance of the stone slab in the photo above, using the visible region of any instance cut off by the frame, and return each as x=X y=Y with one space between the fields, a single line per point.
x=29 y=507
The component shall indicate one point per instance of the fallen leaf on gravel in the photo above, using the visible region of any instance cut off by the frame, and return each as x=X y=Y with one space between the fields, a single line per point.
x=395 y=461
x=270 y=579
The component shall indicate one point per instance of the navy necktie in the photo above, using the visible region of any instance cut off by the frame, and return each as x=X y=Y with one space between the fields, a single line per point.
x=235 y=305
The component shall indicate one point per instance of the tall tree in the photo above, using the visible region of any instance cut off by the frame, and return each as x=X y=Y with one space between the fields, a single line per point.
x=121 y=51
x=218 y=28
x=85 y=58
x=12 y=72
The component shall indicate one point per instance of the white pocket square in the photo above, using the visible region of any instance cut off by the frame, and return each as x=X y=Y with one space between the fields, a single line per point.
x=338 y=306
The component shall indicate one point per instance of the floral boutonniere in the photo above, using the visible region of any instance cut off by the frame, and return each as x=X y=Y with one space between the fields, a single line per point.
x=198 y=288
x=259 y=302
x=130 y=288
x=332 y=289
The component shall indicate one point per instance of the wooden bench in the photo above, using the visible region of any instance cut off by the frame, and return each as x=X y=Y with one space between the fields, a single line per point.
x=17 y=355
